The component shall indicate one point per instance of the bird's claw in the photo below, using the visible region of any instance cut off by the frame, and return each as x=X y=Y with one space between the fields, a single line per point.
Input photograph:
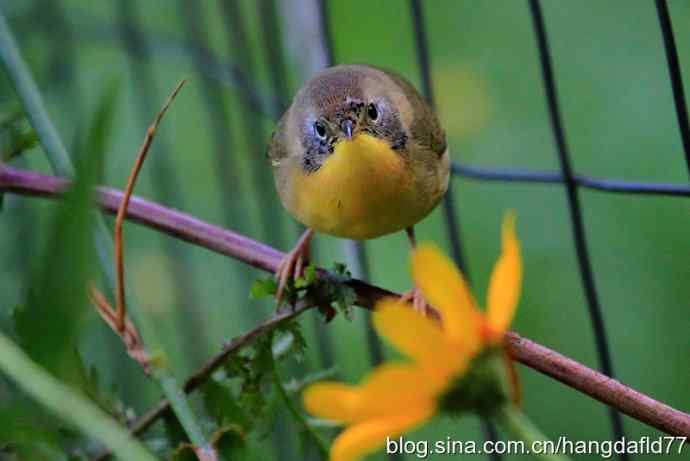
x=292 y=266
x=416 y=298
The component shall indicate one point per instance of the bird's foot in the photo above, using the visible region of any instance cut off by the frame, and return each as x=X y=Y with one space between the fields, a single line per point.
x=416 y=298
x=293 y=264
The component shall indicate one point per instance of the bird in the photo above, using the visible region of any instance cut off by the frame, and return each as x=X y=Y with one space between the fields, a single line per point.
x=358 y=154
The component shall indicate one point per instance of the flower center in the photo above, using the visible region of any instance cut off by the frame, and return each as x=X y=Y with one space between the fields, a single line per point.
x=483 y=388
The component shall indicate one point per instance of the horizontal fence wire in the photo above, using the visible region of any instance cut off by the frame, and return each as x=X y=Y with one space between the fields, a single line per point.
x=552 y=177
x=213 y=68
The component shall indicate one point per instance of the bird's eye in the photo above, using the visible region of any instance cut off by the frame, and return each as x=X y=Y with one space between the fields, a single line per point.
x=372 y=112
x=320 y=130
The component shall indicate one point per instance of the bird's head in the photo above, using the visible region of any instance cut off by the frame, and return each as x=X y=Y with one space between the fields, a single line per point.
x=340 y=105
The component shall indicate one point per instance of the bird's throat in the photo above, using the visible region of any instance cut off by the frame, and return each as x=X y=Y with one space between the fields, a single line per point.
x=362 y=190
x=361 y=154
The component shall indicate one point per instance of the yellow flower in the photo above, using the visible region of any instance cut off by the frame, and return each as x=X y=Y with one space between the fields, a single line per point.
x=397 y=397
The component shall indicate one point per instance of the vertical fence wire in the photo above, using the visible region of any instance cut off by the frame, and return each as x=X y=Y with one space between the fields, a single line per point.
x=451 y=216
x=163 y=176
x=575 y=209
x=253 y=128
x=275 y=57
x=355 y=251
x=675 y=76
x=449 y=207
x=226 y=170
x=64 y=59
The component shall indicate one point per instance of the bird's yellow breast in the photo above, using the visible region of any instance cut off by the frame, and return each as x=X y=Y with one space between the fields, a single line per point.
x=364 y=189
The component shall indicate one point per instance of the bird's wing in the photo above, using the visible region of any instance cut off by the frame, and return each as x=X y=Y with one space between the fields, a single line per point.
x=425 y=127
x=277 y=147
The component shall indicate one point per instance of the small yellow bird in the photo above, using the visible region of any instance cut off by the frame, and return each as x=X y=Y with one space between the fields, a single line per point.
x=358 y=154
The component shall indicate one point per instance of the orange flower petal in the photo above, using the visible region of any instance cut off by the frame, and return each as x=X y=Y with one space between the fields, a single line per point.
x=394 y=385
x=411 y=332
x=385 y=391
x=332 y=400
x=361 y=439
x=445 y=288
x=506 y=280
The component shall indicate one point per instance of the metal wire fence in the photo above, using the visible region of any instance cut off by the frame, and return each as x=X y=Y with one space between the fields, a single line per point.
x=241 y=74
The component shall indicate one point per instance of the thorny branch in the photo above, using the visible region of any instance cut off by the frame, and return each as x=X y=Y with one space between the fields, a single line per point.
x=264 y=257
x=204 y=372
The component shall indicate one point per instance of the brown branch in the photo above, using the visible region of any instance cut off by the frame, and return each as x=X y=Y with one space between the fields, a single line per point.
x=598 y=386
x=214 y=238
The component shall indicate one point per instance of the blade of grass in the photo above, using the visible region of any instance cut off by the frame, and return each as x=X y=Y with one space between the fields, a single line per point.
x=33 y=104
x=55 y=150
x=57 y=297
x=60 y=162
x=67 y=404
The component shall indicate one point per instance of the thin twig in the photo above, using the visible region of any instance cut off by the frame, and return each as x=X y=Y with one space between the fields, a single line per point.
x=120 y=303
x=217 y=239
x=168 y=383
x=129 y=334
x=204 y=372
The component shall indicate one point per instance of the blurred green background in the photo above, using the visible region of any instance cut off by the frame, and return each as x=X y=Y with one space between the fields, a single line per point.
x=208 y=160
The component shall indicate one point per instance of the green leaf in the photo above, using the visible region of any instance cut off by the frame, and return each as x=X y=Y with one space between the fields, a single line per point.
x=11 y=114
x=295 y=386
x=18 y=141
x=174 y=432
x=344 y=301
x=16 y=135
x=230 y=442
x=222 y=404
x=67 y=404
x=307 y=278
x=184 y=452
x=26 y=427
x=240 y=396
x=57 y=304
x=101 y=127
x=263 y=288
x=289 y=341
x=342 y=296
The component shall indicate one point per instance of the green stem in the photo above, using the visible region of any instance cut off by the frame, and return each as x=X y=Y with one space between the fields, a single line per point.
x=59 y=159
x=299 y=418
x=67 y=404
x=180 y=406
x=62 y=165
x=33 y=104
x=518 y=425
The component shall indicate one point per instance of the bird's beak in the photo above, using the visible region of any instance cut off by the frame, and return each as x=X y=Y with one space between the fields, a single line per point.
x=346 y=126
